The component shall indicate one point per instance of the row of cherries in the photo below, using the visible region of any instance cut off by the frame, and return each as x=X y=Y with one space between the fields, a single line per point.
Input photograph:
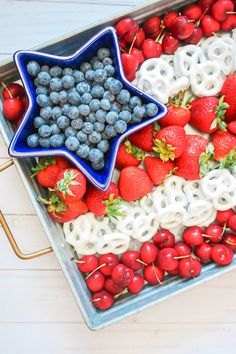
x=109 y=277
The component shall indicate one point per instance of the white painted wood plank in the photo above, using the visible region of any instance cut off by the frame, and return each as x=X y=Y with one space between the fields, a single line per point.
x=3 y=148
x=90 y=2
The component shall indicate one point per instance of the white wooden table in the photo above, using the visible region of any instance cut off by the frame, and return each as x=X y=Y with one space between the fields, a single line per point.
x=38 y=314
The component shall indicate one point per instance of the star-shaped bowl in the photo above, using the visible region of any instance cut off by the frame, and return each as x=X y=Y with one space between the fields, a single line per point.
x=18 y=147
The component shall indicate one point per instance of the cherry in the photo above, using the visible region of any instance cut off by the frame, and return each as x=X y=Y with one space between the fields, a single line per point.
x=214 y=233
x=127 y=28
x=174 y=272
x=148 y=252
x=203 y=252
x=95 y=281
x=153 y=274
x=209 y=25
x=139 y=38
x=103 y=300
x=169 y=18
x=122 y=275
x=182 y=249
x=12 y=108
x=164 y=238
x=12 y=90
x=137 y=53
x=221 y=8
x=229 y=23
x=136 y=284
x=130 y=65
x=193 y=235
x=109 y=260
x=131 y=259
x=152 y=26
x=151 y=49
x=232 y=223
x=25 y=102
x=87 y=264
x=112 y=287
x=189 y=267
x=122 y=43
x=206 y=4
x=181 y=27
x=170 y=43
x=222 y=254
x=230 y=241
x=222 y=217
x=18 y=121
x=167 y=259
x=193 y=12
x=195 y=37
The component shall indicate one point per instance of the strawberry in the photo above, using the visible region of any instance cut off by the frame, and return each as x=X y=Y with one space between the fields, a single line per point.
x=128 y=155
x=228 y=90
x=62 y=163
x=187 y=164
x=208 y=114
x=176 y=116
x=232 y=127
x=143 y=138
x=47 y=177
x=70 y=185
x=170 y=142
x=224 y=143
x=104 y=203
x=134 y=183
x=157 y=169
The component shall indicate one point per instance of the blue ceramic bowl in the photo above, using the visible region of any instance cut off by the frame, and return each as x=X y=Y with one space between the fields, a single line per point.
x=18 y=147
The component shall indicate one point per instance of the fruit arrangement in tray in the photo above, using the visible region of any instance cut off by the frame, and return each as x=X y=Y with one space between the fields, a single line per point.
x=170 y=208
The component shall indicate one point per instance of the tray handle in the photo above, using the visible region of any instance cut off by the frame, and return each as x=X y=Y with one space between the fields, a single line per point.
x=10 y=236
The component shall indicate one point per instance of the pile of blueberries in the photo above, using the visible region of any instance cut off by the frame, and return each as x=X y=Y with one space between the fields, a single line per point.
x=83 y=109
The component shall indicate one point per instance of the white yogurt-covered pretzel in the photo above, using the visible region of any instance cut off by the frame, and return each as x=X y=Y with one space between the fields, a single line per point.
x=173 y=187
x=197 y=213
x=114 y=242
x=147 y=204
x=171 y=217
x=225 y=201
x=216 y=182
x=193 y=191
x=145 y=227
x=158 y=68
x=126 y=225
x=160 y=199
x=186 y=59
x=221 y=53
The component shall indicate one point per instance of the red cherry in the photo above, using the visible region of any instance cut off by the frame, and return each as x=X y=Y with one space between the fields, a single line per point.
x=87 y=264
x=148 y=252
x=130 y=259
x=127 y=28
x=229 y=23
x=12 y=90
x=167 y=259
x=174 y=272
x=206 y=4
x=137 y=53
x=103 y=300
x=112 y=287
x=95 y=281
x=136 y=284
x=189 y=267
x=122 y=275
x=110 y=260
x=195 y=37
x=152 y=25
x=230 y=241
x=193 y=235
x=130 y=65
x=169 y=18
x=153 y=274
x=222 y=254
x=140 y=36
x=232 y=223
x=182 y=249
x=19 y=120
x=25 y=102
x=181 y=27
x=122 y=43
x=214 y=233
x=12 y=108
x=232 y=127
x=209 y=25
x=164 y=238
x=151 y=48
x=220 y=8
x=193 y=12
x=170 y=43
x=203 y=252
x=222 y=217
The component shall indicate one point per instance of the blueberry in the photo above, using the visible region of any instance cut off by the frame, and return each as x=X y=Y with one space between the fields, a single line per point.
x=77 y=123
x=96 y=155
x=91 y=118
x=83 y=151
x=97 y=91
x=33 y=140
x=107 y=61
x=103 y=53
x=99 y=127
x=101 y=116
x=103 y=145
x=125 y=116
x=115 y=107
x=38 y=122
x=55 y=97
x=83 y=87
x=41 y=89
x=151 y=109
x=115 y=86
x=45 y=131
x=139 y=111
x=56 y=141
x=98 y=65
x=63 y=122
x=55 y=84
x=44 y=78
x=84 y=109
x=86 y=98
x=109 y=96
x=55 y=129
x=68 y=81
x=123 y=97
x=66 y=109
x=73 y=112
x=36 y=82
x=81 y=136
x=98 y=166
x=69 y=131
x=63 y=96
x=46 y=112
x=43 y=100
x=56 y=71
x=100 y=75
x=135 y=119
x=78 y=76
x=45 y=68
x=94 y=60
x=56 y=112
x=111 y=117
x=44 y=142
x=107 y=82
x=85 y=67
x=110 y=70
x=74 y=97
x=87 y=127
x=126 y=107
x=105 y=104
x=72 y=143
x=94 y=137
x=135 y=101
x=33 y=68
x=94 y=105
x=67 y=71
x=120 y=126
x=89 y=75
x=110 y=131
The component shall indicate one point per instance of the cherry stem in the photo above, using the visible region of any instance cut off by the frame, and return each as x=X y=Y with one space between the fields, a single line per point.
x=97 y=299
x=209 y=236
x=230 y=243
x=121 y=293
x=132 y=44
x=161 y=32
x=230 y=13
x=6 y=88
x=158 y=279
x=139 y=260
x=101 y=265
x=180 y=257
x=79 y=262
x=201 y=17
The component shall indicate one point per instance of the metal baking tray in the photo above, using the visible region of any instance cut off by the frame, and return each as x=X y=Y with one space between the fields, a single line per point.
x=128 y=305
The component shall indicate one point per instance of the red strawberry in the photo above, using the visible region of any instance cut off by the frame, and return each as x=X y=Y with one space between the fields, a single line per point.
x=62 y=163
x=128 y=155
x=48 y=176
x=187 y=164
x=143 y=138
x=228 y=91
x=157 y=169
x=104 y=203
x=208 y=114
x=224 y=143
x=70 y=185
x=176 y=116
x=134 y=183
x=170 y=142
x=232 y=127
